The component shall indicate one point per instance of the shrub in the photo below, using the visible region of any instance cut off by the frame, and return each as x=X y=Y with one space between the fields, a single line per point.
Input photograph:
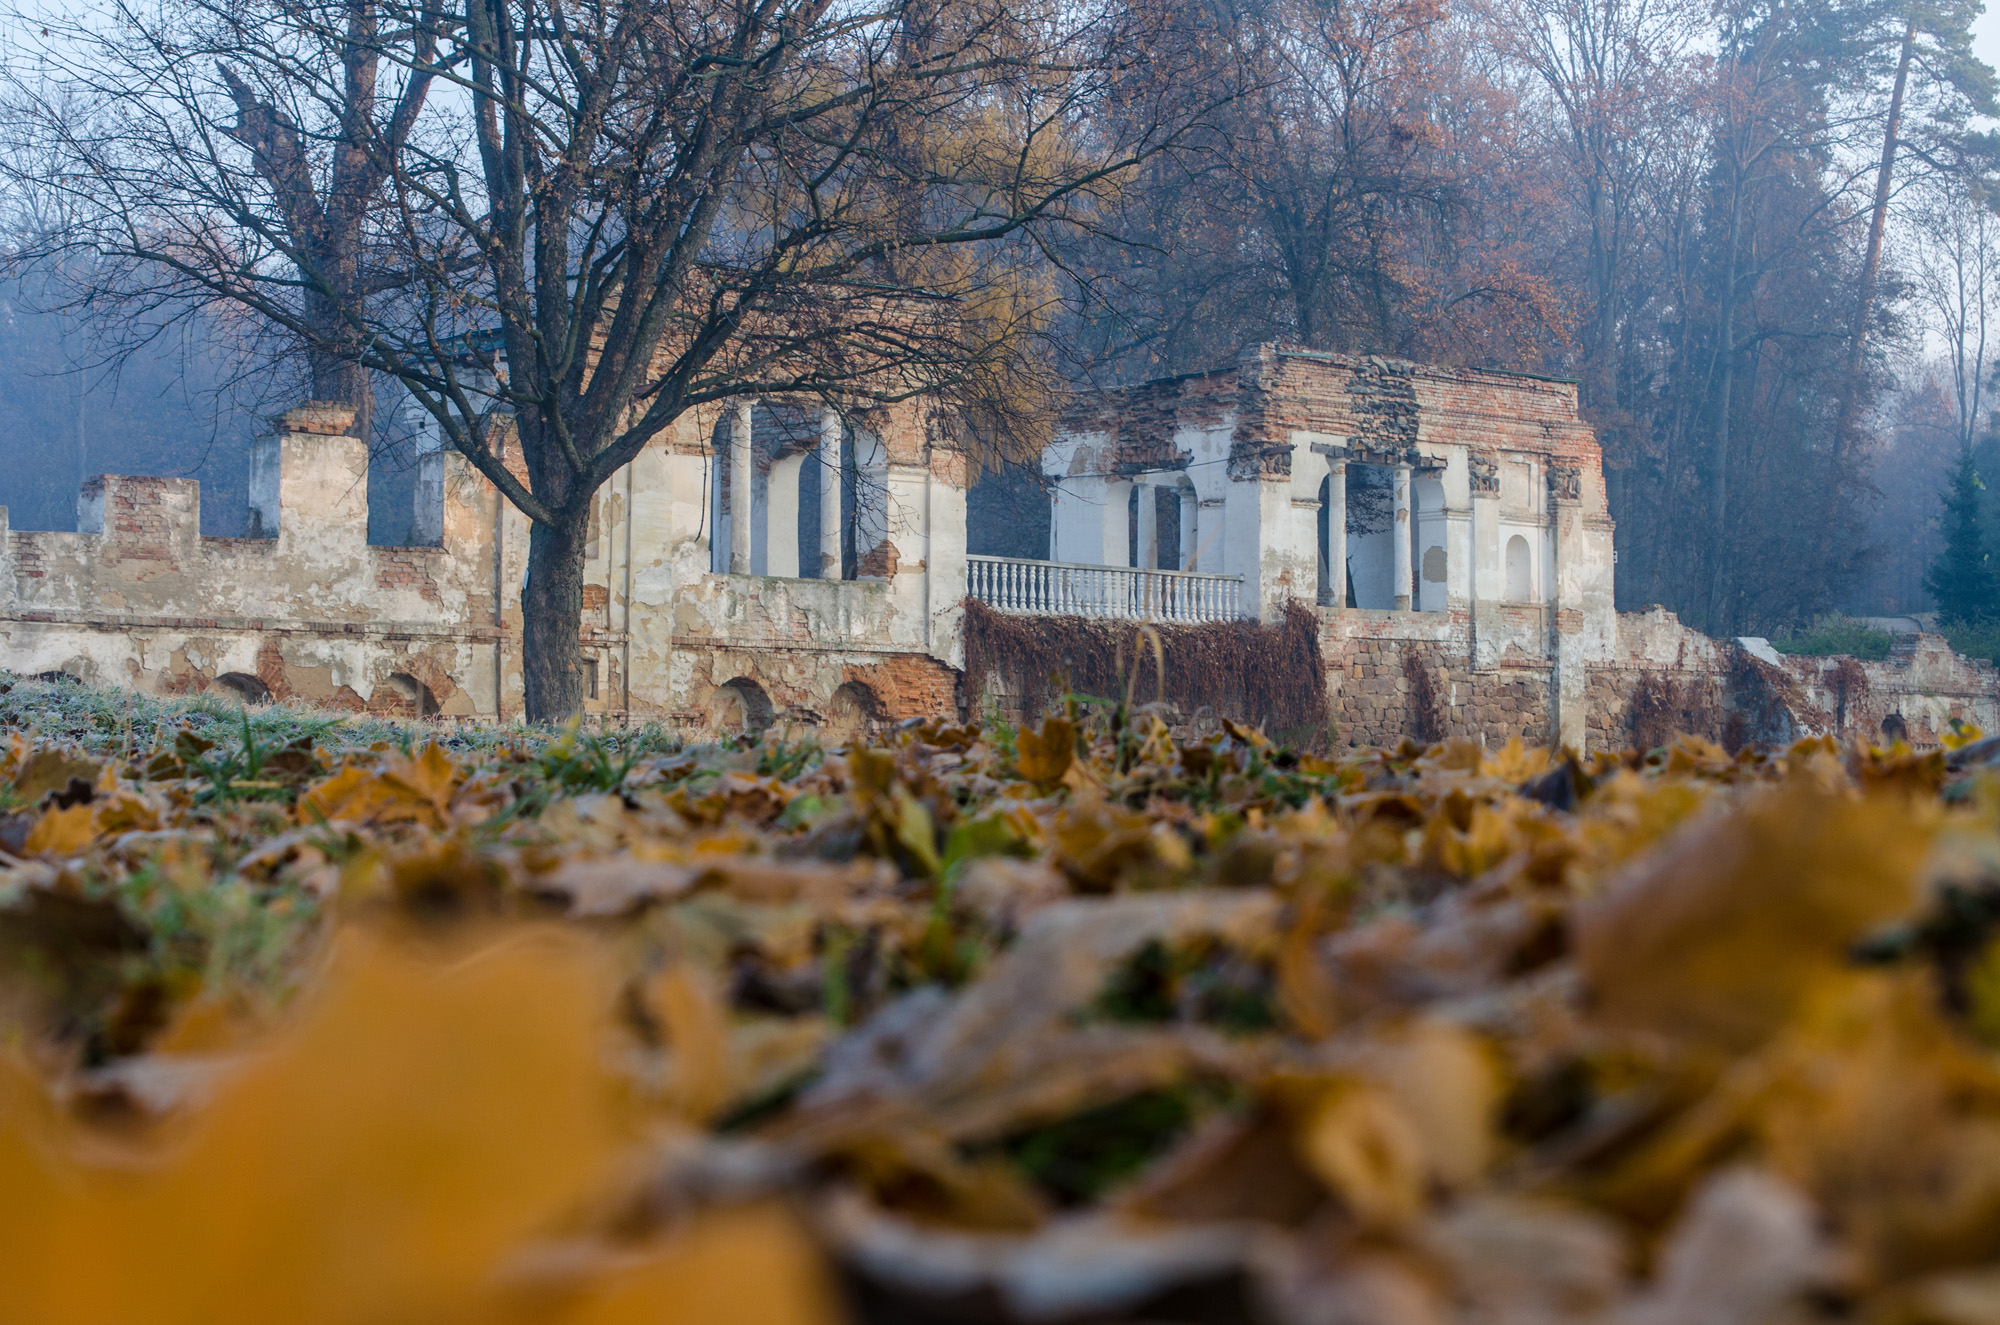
x=1834 y=635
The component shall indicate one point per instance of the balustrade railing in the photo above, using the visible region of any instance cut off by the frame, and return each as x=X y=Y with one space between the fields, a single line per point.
x=1056 y=588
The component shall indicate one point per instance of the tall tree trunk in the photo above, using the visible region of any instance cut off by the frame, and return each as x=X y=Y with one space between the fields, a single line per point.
x=1864 y=302
x=1718 y=541
x=343 y=382
x=552 y=619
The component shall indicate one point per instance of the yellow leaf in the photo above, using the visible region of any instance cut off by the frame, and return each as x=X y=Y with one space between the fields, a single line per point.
x=698 y=1033
x=348 y=794
x=1723 y=930
x=1046 y=757
x=1961 y=733
x=429 y=779
x=1367 y=1152
x=62 y=832
x=419 y=1126
x=403 y=790
x=753 y=1266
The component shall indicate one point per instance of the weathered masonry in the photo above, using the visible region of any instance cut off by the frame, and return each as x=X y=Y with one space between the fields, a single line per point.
x=703 y=606
x=1450 y=528
x=789 y=561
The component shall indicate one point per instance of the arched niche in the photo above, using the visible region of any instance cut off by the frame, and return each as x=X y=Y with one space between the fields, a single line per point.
x=401 y=695
x=855 y=710
x=243 y=688
x=740 y=707
x=1520 y=570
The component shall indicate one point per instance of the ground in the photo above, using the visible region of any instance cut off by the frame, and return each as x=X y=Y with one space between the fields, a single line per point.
x=322 y=1018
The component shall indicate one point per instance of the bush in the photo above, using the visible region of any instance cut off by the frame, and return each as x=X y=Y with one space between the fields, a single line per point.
x=1832 y=635
x=1975 y=639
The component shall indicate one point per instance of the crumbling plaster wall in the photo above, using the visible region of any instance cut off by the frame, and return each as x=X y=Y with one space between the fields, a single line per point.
x=311 y=611
x=682 y=631
x=138 y=597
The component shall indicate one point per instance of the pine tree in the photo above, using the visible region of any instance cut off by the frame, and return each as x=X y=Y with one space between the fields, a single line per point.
x=1961 y=581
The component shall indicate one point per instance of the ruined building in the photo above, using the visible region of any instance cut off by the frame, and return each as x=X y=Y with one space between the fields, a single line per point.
x=790 y=562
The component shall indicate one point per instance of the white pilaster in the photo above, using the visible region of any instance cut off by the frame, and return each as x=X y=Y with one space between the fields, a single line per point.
x=1149 y=526
x=741 y=496
x=829 y=493
x=1336 y=526
x=781 y=516
x=1400 y=533
x=1115 y=545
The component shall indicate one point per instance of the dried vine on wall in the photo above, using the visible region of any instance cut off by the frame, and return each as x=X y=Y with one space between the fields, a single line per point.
x=1261 y=675
x=1428 y=718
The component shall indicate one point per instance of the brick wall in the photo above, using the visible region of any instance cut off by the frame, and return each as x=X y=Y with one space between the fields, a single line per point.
x=410 y=568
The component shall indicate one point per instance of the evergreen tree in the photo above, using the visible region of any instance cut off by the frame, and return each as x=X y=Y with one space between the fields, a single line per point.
x=1961 y=581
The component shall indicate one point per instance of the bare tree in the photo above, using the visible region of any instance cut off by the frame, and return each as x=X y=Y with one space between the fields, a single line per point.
x=592 y=216
x=1954 y=258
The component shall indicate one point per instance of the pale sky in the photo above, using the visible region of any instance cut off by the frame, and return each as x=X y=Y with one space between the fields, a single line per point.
x=1986 y=37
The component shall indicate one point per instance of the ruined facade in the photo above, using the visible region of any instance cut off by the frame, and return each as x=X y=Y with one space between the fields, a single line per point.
x=783 y=561
x=1450 y=526
x=695 y=609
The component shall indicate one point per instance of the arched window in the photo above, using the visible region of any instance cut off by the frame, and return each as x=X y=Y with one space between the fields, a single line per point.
x=1520 y=571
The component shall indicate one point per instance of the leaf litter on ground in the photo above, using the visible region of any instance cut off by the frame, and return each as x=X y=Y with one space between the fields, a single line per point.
x=311 y=1019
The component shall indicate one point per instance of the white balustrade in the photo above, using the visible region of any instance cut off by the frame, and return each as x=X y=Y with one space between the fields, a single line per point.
x=1057 y=588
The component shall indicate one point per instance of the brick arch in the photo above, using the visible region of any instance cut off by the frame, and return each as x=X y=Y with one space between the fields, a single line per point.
x=243 y=687
x=854 y=709
x=740 y=706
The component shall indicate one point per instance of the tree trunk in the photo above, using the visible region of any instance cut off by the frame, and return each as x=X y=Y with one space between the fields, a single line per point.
x=345 y=383
x=1719 y=541
x=551 y=620
x=1864 y=303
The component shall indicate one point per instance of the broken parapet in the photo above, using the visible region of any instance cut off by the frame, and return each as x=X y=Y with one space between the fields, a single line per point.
x=302 y=607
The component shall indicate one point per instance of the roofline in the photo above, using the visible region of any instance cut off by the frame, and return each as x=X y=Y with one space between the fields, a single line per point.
x=1336 y=356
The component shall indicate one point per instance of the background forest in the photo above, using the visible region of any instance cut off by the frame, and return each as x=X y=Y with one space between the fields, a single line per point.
x=1761 y=236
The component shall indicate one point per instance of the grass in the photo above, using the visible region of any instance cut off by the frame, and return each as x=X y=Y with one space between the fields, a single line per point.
x=110 y=722
x=1835 y=635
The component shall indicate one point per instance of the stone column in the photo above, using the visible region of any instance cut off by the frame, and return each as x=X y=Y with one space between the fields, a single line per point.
x=1488 y=575
x=1564 y=595
x=829 y=493
x=781 y=517
x=1114 y=547
x=1190 y=528
x=1336 y=525
x=740 y=490
x=1149 y=526
x=1401 y=531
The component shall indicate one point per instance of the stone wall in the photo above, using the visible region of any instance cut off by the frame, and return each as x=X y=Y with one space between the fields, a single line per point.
x=1391 y=674
x=309 y=610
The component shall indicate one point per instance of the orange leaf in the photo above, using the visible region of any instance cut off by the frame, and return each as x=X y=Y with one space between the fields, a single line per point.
x=1045 y=758
x=755 y=1266
x=419 y=1127
x=62 y=832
